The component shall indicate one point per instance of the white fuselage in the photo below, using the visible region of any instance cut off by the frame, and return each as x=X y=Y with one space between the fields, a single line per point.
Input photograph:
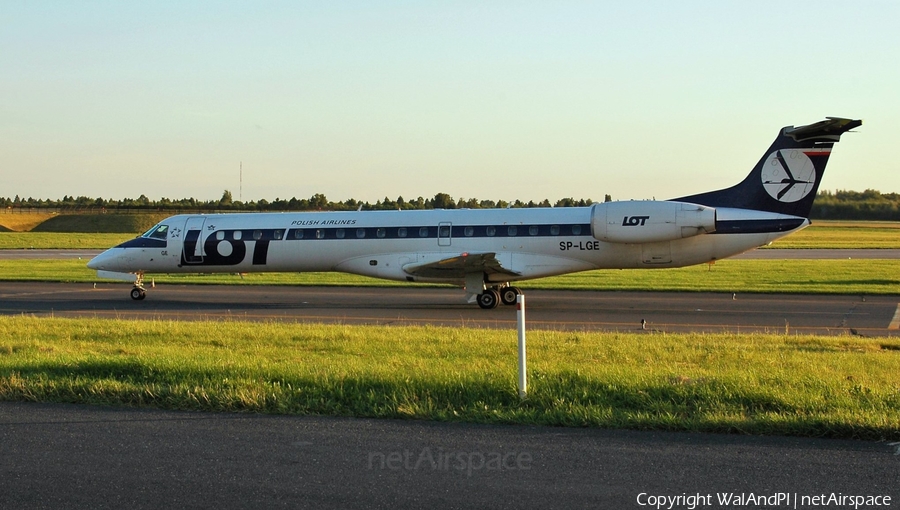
x=527 y=243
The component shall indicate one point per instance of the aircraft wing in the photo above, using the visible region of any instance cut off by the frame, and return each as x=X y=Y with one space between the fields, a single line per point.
x=457 y=267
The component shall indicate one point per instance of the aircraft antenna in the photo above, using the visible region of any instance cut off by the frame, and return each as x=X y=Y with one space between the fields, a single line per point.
x=241 y=183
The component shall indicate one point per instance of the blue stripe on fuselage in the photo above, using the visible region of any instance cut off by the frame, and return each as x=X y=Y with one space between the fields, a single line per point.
x=432 y=231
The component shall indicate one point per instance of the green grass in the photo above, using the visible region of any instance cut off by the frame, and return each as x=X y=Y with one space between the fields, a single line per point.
x=108 y=223
x=66 y=241
x=875 y=276
x=755 y=384
x=844 y=234
x=21 y=221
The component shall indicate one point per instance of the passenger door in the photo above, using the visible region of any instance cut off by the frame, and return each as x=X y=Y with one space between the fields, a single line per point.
x=192 y=253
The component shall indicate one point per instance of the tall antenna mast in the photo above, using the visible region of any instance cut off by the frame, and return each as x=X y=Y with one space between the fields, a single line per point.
x=241 y=183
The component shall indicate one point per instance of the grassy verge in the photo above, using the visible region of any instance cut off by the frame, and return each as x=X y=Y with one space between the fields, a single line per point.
x=876 y=276
x=844 y=234
x=120 y=223
x=24 y=221
x=755 y=384
x=57 y=240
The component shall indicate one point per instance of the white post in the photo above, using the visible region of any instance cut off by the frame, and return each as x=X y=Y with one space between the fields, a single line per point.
x=520 y=317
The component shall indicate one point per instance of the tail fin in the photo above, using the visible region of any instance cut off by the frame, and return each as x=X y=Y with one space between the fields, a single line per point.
x=787 y=177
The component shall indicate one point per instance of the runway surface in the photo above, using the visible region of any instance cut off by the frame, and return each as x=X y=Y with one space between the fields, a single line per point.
x=68 y=456
x=561 y=310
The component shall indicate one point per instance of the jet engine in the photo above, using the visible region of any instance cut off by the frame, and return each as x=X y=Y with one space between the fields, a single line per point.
x=637 y=222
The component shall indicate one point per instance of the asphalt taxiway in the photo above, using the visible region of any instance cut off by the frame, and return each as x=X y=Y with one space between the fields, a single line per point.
x=68 y=456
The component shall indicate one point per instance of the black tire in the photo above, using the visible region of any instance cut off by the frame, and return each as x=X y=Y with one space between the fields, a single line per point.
x=488 y=299
x=138 y=294
x=508 y=295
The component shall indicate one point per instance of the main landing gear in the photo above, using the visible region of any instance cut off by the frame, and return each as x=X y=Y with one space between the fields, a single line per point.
x=138 y=292
x=493 y=296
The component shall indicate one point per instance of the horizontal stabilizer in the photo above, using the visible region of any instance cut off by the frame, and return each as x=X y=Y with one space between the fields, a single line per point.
x=829 y=129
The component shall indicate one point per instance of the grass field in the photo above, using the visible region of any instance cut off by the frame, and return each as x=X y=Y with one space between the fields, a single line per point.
x=844 y=234
x=22 y=222
x=755 y=384
x=103 y=223
x=79 y=223
x=59 y=240
x=875 y=276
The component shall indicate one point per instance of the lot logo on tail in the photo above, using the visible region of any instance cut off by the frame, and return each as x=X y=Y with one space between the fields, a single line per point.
x=788 y=175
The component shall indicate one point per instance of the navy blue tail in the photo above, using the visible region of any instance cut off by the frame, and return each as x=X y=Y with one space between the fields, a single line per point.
x=787 y=177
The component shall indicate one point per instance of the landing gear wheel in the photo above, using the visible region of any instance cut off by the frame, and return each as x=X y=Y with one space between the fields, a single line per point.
x=488 y=299
x=138 y=293
x=508 y=295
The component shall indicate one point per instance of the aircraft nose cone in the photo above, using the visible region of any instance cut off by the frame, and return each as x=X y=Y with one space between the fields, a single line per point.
x=105 y=261
x=97 y=261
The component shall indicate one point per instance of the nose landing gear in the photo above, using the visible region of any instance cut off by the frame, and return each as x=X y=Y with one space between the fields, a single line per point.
x=138 y=292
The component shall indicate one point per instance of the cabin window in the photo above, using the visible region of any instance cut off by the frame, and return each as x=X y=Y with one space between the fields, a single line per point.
x=490 y=231
x=340 y=233
x=220 y=235
x=360 y=233
x=237 y=235
x=298 y=234
x=533 y=230
x=511 y=231
x=423 y=232
x=279 y=234
x=401 y=232
x=381 y=232
x=576 y=230
x=444 y=231
x=554 y=230
x=257 y=234
x=320 y=234
x=469 y=231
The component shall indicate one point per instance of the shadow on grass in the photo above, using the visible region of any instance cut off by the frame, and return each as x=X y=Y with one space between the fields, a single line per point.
x=863 y=282
x=559 y=399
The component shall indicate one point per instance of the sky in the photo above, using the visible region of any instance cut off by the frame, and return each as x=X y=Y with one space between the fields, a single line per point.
x=491 y=100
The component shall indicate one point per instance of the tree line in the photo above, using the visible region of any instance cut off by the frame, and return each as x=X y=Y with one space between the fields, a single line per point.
x=317 y=202
x=838 y=205
x=856 y=205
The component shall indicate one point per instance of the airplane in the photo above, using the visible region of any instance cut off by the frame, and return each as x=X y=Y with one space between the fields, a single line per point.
x=486 y=250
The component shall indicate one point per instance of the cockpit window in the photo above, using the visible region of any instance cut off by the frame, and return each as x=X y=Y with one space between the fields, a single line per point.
x=158 y=232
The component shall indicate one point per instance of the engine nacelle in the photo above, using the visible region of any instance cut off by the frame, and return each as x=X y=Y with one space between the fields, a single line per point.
x=639 y=222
